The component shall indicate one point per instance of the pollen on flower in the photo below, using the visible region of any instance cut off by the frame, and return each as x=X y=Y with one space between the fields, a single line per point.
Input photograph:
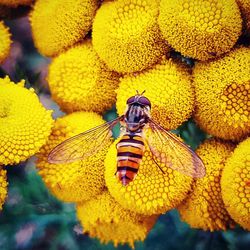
x=79 y=180
x=151 y=192
x=58 y=24
x=244 y=6
x=78 y=80
x=24 y=123
x=3 y=186
x=204 y=208
x=5 y=42
x=105 y=219
x=200 y=29
x=126 y=35
x=235 y=184
x=223 y=95
x=168 y=87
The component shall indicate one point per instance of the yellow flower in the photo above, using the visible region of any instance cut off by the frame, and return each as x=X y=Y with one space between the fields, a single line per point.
x=14 y=3
x=235 y=184
x=79 y=81
x=80 y=180
x=126 y=35
x=244 y=6
x=4 y=42
x=223 y=95
x=24 y=123
x=168 y=87
x=200 y=29
x=58 y=24
x=204 y=208
x=151 y=192
x=105 y=219
x=3 y=186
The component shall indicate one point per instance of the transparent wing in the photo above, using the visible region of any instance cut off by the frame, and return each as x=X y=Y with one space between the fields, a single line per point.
x=168 y=150
x=84 y=144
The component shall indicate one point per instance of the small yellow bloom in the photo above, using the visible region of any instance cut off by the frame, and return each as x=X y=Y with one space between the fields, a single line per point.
x=244 y=6
x=58 y=24
x=235 y=184
x=200 y=29
x=4 y=41
x=151 y=192
x=3 y=186
x=126 y=35
x=223 y=95
x=204 y=208
x=79 y=81
x=80 y=180
x=14 y=3
x=24 y=123
x=168 y=87
x=105 y=219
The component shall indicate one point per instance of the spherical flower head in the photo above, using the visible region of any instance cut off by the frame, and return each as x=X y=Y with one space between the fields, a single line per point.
x=235 y=184
x=204 y=208
x=24 y=123
x=105 y=219
x=223 y=95
x=126 y=35
x=152 y=191
x=3 y=186
x=4 y=41
x=15 y=3
x=79 y=180
x=58 y=24
x=200 y=29
x=78 y=80
x=168 y=87
x=244 y=6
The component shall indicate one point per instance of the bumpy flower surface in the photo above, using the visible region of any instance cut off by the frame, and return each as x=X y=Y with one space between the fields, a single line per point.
x=14 y=3
x=126 y=35
x=223 y=95
x=24 y=123
x=3 y=186
x=79 y=180
x=151 y=192
x=4 y=42
x=204 y=208
x=244 y=6
x=168 y=86
x=105 y=219
x=79 y=81
x=200 y=29
x=58 y=24
x=235 y=184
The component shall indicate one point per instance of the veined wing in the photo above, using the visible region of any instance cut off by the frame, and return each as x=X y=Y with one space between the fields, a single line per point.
x=170 y=151
x=83 y=145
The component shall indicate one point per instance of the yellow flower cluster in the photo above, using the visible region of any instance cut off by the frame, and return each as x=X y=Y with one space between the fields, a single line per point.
x=244 y=6
x=58 y=24
x=4 y=42
x=105 y=219
x=80 y=180
x=14 y=3
x=223 y=95
x=24 y=123
x=79 y=81
x=126 y=35
x=235 y=184
x=3 y=186
x=204 y=208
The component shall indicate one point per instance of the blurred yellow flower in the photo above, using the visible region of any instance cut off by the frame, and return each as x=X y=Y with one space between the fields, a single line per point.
x=14 y=3
x=151 y=192
x=126 y=35
x=235 y=184
x=204 y=208
x=105 y=219
x=58 y=24
x=244 y=6
x=24 y=123
x=168 y=87
x=5 y=41
x=223 y=95
x=3 y=186
x=200 y=29
x=79 y=81
x=80 y=180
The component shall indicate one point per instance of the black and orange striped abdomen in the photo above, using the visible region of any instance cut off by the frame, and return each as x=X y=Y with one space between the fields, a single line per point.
x=129 y=155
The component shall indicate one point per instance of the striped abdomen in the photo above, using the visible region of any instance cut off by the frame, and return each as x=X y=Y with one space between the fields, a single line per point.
x=129 y=155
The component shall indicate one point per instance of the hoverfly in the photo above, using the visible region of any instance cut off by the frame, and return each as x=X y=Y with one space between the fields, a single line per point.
x=166 y=148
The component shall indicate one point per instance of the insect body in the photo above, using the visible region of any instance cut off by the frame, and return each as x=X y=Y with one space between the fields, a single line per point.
x=166 y=149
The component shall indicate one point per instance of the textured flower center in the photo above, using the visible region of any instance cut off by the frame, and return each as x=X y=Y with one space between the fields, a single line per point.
x=4 y=109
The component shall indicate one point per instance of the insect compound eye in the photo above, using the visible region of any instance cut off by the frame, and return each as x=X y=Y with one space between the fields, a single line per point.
x=131 y=100
x=144 y=101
